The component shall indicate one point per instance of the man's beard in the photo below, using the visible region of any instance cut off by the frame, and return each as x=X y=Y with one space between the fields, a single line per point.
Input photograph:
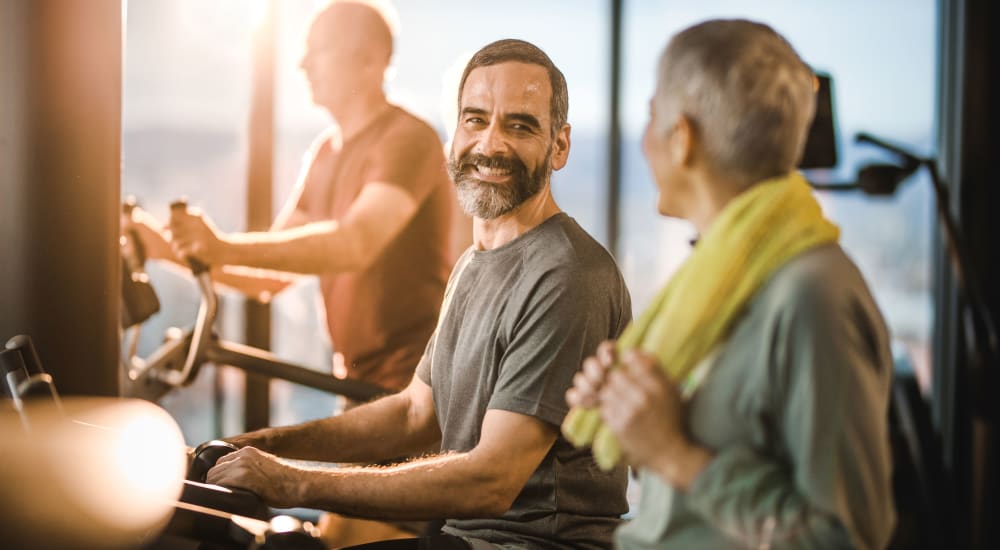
x=488 y=201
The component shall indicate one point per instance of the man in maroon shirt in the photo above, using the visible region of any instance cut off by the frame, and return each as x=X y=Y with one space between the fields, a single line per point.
x=371 y=216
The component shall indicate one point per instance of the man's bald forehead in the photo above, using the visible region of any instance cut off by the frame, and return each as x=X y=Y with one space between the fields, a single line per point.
x=363 y=20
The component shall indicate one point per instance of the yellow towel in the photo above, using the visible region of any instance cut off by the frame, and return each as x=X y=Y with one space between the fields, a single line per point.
x=755 y=234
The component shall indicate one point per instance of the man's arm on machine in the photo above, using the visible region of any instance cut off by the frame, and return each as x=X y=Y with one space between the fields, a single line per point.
x=482 y=482
x=258 y=263
x=397 y=425
x=379 y=213
x=260 y=284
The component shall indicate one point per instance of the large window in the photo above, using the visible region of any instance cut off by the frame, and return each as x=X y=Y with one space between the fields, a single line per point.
x=882 y=59
x=186 y=98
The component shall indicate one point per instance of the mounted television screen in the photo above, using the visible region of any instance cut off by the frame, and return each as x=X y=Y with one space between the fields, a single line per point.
x=821 y=145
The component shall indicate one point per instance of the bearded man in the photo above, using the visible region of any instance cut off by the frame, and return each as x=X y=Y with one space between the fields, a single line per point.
x=523 y=307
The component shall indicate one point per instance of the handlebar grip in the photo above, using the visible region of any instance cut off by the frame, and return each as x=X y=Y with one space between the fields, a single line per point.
x=25 y=347
x=138 y=248
x=205 y=456
x=14 y=372
x=197 y=266
x=129 y=204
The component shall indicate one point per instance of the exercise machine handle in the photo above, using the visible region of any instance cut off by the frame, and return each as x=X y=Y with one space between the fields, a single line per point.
x=138 y=249
x=24 y=376
x=207 y=312
x=203 y=346
x=197 y=266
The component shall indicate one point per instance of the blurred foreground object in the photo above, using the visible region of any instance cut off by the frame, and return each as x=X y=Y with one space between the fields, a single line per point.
x=95 y=473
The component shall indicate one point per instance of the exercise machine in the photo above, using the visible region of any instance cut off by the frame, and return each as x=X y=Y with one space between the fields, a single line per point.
x=176 y=363
x=211 y=516
x=110 y=473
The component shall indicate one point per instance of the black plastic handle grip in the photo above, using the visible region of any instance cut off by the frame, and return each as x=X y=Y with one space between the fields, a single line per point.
x=22 y=344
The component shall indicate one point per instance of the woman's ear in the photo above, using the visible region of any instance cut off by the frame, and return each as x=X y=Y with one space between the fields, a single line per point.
x=682 y=141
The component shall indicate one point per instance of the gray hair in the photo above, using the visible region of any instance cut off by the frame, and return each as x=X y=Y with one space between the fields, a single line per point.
x=748 y=95
x=513 y=50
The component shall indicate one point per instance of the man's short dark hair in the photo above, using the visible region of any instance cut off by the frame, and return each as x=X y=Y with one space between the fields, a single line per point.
x=519 y=51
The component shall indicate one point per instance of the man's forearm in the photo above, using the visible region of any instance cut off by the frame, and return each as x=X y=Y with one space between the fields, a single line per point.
x=453 y=486
x=482 y=482
x=260 y=284
x=316 y=248
x=382 y=430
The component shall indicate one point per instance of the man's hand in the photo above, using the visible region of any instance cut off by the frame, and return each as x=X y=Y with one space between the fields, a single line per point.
x=249 y=439
x=151 y=232
x=644 y=410
x=194 y=236
x=263 y=474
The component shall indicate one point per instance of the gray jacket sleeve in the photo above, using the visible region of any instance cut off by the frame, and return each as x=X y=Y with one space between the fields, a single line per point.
x=830 y=376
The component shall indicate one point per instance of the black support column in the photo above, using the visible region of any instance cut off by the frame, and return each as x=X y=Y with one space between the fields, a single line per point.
x=60 y=158
x=614 y=129
x=965 y=390
x=259 y=208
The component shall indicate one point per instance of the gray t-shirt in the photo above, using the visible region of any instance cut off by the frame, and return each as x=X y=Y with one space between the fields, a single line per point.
x=517 y=323
x=795 y=410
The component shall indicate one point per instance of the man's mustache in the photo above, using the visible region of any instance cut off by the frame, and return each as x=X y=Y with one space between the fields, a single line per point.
x=497 y=162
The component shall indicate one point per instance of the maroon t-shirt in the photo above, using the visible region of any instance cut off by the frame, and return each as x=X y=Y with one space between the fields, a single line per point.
x=381 y=318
